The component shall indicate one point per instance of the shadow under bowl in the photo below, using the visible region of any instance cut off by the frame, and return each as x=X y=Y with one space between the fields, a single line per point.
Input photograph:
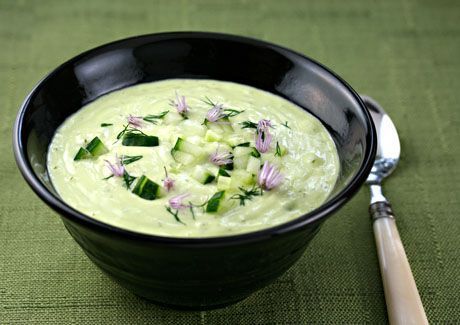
x=197 y=272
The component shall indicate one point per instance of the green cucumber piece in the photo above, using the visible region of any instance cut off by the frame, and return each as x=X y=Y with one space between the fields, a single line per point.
x=240 y=162
x=82 y=154
x=255 y=153
x=241 y=178
x=182 y=157
x=147 y=189
x=96 y=147
x=140 y=140
x=212 y=136
x=223 y=172
x=244 y=144
x=93 y=149
x=203 y=175
x=223 y=183
x=226 y=125
x=187 y=147
x=253 y=166
x=215 y=201
x=242 y=151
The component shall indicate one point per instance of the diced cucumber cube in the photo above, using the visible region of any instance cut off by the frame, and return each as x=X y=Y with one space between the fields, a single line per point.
x=192 y=127
x=255 y=153
x=241 y=178
x=93 y=149
x=82 y=154
x=188 y=147
x=223 y=172
x=212 y=136
x=182 y=157
x=226 y=125
x=243 y=144
x=215 y=202
x=223 y=183
x=235 y=141
x=242 y=151
x=253 y=166
x=96 y=147
x=140 y=140
x=240 y=162
x=203 y=175
x=172 y=118
x=147 y=189
x=213 y=126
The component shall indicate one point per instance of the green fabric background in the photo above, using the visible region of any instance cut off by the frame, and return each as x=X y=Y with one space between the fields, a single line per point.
x=405 y=53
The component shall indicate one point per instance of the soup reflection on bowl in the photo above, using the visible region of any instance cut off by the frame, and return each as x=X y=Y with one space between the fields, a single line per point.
x=193 y=168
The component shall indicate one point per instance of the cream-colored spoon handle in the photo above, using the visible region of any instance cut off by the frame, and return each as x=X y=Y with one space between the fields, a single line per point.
x=403 y=301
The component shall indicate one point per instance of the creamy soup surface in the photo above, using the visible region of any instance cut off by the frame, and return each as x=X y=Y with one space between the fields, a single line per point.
x=245 y=159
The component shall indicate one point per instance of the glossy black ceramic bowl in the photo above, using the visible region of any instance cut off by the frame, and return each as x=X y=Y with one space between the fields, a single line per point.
x=200 y=272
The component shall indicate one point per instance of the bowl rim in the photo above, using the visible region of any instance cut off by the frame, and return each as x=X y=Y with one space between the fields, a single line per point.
x=296 y=224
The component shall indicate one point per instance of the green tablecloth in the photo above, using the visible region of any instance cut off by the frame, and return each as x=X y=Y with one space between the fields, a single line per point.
x=404 y=53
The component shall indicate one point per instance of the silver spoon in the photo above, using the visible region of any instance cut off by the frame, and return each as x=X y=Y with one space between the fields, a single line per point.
x=402 y=298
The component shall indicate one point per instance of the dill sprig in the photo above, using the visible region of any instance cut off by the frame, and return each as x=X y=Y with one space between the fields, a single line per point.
x=174 y=214
x=230 y=112
x=208 y=101
x=227 y=112
x=128 y=179
x=127 y=129
x=278 y=150
x=247 y=194
x=152 y=118
x=126 y=160
x=248 y=125
x=285 y=124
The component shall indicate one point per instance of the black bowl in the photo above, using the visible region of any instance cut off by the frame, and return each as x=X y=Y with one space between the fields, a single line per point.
x=198 y=272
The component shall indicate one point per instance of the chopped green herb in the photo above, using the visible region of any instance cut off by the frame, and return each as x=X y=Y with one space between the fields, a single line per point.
x=286 y=125
x=106 y=178
x=247 y=194
x=229 y=112
x=206 y=100
x=106 y=124
x=174 y=214
x=126 y=160
x=278 y=150
x=128 y=179
x=152 y=118
x=248 y=125
x=191 y=210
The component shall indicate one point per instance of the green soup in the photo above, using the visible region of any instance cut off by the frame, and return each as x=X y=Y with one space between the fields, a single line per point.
x=213 y=151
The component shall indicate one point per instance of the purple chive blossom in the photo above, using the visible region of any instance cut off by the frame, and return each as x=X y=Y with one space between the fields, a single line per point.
x=181 y=105
x=135 y=121
x=263 y=125
x=263 y=136
x=215 y=113
x=263 y=140
x=116 y=169
x=168 y=182
x=176 y=202
x=269 y=177
x=221 y=158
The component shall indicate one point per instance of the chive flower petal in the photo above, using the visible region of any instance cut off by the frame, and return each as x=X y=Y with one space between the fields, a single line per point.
x=269 y=176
